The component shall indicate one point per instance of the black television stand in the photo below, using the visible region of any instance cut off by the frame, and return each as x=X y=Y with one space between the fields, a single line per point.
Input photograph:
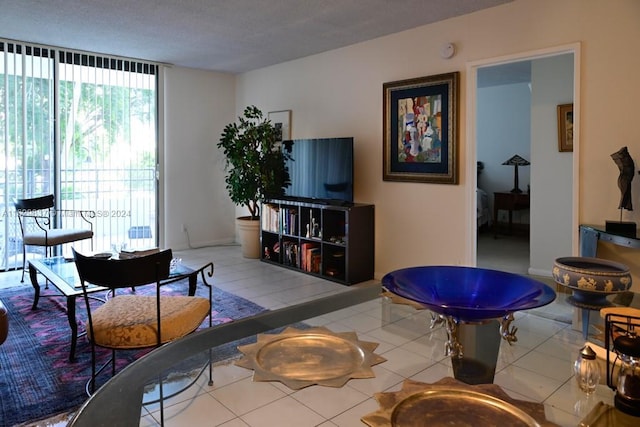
x=337 y=202
x=332 y=239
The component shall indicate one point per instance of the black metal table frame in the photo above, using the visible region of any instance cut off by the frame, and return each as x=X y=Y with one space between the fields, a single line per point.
x=71 y=292
x=590 y=235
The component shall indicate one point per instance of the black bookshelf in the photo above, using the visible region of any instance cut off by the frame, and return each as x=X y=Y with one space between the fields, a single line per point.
x=331 y=240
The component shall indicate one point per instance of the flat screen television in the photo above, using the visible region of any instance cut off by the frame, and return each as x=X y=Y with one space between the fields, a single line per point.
x=321 y=169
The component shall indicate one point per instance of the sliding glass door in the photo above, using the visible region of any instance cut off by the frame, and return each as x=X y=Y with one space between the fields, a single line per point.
x=81 y=127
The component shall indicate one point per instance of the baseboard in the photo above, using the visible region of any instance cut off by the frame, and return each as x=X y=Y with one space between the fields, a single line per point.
x=539 y=272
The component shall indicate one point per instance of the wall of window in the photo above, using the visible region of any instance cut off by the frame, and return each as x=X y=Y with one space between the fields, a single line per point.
x=84 y=128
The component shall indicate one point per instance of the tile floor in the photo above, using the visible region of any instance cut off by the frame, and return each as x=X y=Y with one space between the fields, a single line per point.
x=537 y=368
x=503 y=252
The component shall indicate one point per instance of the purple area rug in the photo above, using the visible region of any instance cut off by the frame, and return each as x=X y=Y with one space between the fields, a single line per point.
x=36 y=378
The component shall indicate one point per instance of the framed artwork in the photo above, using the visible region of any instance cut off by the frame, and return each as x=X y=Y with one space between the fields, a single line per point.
x=420 y=129
x=282 y=121
x=565 y=127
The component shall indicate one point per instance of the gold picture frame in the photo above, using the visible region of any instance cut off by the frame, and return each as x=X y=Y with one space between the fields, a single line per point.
x=565 y=127
x=420 y=129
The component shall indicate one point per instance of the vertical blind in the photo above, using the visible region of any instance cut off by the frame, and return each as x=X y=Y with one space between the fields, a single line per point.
x=83 y=127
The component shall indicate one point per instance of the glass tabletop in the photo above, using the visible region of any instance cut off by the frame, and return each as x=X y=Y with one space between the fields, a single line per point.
x=131 y=387
x=62 y=273
x=64 y=268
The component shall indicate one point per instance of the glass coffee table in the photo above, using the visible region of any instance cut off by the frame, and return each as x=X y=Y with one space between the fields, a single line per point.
x=63 y=275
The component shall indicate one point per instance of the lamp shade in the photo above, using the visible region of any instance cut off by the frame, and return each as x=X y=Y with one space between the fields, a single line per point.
x=516 y=161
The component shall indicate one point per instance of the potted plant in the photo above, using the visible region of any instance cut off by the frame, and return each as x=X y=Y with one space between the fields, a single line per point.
x=255 y=163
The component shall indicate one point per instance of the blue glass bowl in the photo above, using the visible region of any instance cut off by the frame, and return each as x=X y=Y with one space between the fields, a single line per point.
x=468 y=293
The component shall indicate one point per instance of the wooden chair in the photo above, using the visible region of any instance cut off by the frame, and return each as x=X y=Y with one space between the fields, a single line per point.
x=138 y=321
x=37 y=217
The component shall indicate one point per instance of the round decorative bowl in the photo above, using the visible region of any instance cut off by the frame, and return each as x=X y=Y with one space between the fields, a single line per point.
x=103 y=255
x=591 y=279
x=468 y=294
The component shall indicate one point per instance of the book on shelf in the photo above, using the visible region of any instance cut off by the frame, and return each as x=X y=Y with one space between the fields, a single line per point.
x=306 y=251
x=270 y=217
x=303 y=255
x=316 y=261
x=290 y=221
x=290 y=254
x=312 y=258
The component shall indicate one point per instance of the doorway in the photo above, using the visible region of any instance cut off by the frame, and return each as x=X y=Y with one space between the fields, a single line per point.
x=513 y=111
x=504 y=151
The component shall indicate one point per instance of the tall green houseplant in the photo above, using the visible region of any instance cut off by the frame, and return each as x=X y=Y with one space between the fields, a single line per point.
x=255 y=160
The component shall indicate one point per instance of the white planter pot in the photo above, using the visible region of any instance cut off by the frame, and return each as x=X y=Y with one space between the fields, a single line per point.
x=249 y=236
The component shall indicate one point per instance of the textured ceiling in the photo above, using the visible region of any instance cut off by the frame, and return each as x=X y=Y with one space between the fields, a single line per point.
x=221 y=35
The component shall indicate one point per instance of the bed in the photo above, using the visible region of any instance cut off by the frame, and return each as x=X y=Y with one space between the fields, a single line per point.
x=483 y=214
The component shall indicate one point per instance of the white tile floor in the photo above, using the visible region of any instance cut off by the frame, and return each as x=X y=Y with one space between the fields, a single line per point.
x=536 y=368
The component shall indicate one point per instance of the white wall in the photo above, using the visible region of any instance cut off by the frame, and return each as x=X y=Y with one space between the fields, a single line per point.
x=552 y=170
x=340 y=93
x=198 y=104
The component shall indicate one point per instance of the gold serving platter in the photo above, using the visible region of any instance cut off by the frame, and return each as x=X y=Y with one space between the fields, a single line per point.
x=442 y=408
x=299 y=358
x=310 y=357
x=450 y=402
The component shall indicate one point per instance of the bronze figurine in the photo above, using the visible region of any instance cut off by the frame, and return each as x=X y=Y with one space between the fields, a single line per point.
x=627 y=170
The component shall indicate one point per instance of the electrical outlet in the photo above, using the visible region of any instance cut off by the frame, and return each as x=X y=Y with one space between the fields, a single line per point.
x=184 y=228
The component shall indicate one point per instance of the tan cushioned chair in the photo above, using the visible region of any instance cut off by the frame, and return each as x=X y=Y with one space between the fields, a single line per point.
x=55 y=236
x=130 y=321
x=126 y=322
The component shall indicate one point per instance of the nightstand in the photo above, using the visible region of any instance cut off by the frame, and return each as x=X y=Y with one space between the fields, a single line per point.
x=508 y=201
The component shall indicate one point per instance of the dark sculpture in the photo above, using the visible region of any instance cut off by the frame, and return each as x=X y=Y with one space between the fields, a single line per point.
x=627 y=170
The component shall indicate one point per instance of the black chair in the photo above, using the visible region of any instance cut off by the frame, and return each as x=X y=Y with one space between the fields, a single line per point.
x=37 y=218
x=138 y=321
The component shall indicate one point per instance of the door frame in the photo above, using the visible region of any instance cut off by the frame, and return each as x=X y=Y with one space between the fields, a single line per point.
x=471 y=136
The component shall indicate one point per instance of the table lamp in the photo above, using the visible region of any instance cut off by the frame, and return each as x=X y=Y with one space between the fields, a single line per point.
x=516 y=161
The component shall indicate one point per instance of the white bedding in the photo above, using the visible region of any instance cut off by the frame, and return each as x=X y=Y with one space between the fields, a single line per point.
x=483 y=213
